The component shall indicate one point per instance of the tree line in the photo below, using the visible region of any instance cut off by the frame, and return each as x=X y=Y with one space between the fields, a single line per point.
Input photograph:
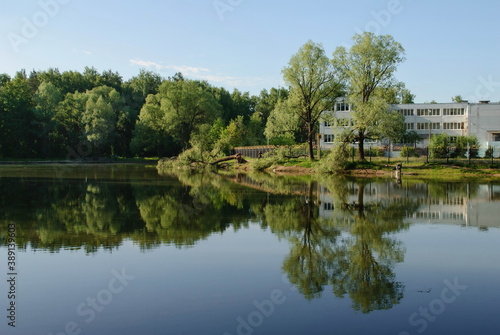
x=53 y=114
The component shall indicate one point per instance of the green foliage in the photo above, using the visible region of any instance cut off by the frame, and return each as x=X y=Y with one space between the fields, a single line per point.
x=283 y=122
x=16 y=115
x=53 y=114
x=313 y=89
x=263 y=163
x=100 y=116
x=376 y=152
x=463 y=143
x=232 y=136
x=439 y=146
x=411 y=137
x=489 y=152
x=337 y=160
x=407 y=151
x=369 y=68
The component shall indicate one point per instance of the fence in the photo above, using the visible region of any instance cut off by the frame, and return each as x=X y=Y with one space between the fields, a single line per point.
x=380 y=153
x=253 y=152
x=395 y=154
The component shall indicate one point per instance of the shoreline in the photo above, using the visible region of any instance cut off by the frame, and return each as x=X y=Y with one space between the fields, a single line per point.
x=444 y=172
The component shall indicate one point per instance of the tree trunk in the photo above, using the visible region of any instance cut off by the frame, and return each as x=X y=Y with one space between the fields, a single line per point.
x=237 y=157
x=361 y=149
x=310 y=139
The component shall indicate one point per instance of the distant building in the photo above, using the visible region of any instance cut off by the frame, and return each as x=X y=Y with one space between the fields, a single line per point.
x=455 y=119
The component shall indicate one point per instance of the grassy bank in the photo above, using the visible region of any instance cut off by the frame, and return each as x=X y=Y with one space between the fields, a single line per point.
x=458 y=169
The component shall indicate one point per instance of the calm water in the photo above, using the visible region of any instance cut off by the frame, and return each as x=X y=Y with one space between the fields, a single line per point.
x=124 y=250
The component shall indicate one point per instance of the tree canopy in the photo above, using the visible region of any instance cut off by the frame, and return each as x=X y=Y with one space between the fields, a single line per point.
x=313 y=88
x=368 y=68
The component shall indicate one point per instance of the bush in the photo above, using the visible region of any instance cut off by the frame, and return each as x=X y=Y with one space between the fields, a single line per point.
x=375 y=152
x=489 y=152
x=439 y=146
x=262 y=163
x=337 y=160
x=407 y=151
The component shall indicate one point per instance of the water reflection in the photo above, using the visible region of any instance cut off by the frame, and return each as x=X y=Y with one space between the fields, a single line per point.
x=352 y=250
x=341 y=231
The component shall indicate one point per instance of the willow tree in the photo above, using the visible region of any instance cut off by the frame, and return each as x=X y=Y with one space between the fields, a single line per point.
x=313 y=87
x=368 y=67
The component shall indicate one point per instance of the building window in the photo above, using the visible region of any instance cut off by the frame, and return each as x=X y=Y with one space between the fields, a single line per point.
x=453 y=111
x=344 y=122
x=453 y=125
x=422 y=126
x=410 y=126
x=328 y=124
x=328 y=206
x=495 y=137
x=329 y=138
x=428 y=112
x=406 y=112
x=341 y=107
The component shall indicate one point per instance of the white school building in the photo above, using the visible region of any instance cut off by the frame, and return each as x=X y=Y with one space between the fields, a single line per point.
x=455 y=119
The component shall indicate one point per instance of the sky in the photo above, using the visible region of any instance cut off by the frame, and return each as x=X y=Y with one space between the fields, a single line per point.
x=451 y=47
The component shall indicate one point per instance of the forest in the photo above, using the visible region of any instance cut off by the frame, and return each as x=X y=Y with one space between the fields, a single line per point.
x=52 y=114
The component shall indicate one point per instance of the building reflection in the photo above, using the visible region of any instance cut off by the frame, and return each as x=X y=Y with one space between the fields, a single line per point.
x=463 y=204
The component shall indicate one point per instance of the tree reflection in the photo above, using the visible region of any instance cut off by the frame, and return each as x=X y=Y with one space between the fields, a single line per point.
x=311 y=251
x=361 y=264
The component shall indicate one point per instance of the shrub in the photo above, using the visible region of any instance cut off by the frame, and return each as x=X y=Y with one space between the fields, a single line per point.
x=489 y=152
x=337 y=160
x=407 y=151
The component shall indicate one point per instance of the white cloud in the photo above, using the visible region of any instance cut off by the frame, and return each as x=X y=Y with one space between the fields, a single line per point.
x=147 y=64
x=85 y=52
x=200 y=73
x=186 y=70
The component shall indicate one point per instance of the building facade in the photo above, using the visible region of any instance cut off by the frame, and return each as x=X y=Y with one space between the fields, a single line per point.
x=455 y=119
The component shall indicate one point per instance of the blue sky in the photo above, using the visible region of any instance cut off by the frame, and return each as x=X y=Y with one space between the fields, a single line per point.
x=452 y=47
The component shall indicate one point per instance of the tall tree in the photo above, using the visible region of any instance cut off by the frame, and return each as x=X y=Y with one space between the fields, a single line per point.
x=16 y=114
x=46 y=100
x=179 y=108
x=368 y=67
x=102 y=111
x=313 y=88
x=68 y=126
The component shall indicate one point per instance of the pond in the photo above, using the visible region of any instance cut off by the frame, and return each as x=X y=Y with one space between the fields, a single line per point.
x=122 y=249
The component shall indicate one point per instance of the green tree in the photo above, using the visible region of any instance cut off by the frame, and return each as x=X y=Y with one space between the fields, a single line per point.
x=186 y=105
x=369 y=68
x=282 y=124
x=102 y=111
x=457 y=98
x=397 y=94
x=68 y=126
x=411 y=137
x=439 y=146
x=267 y=101
x=313 y=89
x=178 y=110
x=46 y=99
x=150 y=136
x=463 y=143
x=16 y=115
x=139 y=87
